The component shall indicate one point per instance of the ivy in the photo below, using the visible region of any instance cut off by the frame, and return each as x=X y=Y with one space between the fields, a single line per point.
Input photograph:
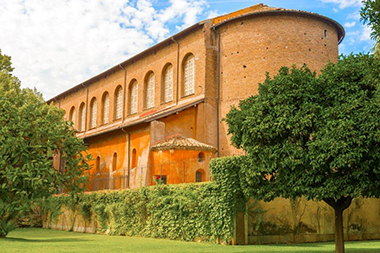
x=188 y=212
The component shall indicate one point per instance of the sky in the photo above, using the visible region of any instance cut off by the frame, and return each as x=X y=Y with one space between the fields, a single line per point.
x=58 y=44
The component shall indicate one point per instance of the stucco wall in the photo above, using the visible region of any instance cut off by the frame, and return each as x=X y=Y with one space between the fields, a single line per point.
x=293 y=221
x=180 y=166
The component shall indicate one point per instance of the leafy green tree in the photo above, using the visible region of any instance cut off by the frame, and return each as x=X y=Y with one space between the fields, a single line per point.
x=313 y=136
x=31 y=134
x=370 y=14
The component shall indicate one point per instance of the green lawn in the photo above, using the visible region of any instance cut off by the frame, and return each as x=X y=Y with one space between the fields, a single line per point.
x=44 y=240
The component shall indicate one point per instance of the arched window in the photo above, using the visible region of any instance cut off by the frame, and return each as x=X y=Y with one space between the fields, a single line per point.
x=201 y=157
x=94 y=112
x=82 y=117
x=188 y=75
x=134 y=158
x=167 y=81
x=199 y=176
x=106 y=108
x=97 y=165
x=133 y=99
x=114 y=162
x=118 y=102
x=149 y=91
x=72 y=115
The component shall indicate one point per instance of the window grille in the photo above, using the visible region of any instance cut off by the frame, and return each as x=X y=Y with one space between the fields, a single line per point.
x=106 y=108
x=83 y=118
x=119 y=103
x=150 y=92
x=188 y=70
x=94 y=111
x=168 y=83
x=133 y=98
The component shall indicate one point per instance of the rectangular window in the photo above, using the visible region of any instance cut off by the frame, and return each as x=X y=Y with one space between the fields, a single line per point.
x=160 y=179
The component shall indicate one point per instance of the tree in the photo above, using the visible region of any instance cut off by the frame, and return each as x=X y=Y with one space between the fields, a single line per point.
x=31 y=134
x=370 y=14
x=313 y=136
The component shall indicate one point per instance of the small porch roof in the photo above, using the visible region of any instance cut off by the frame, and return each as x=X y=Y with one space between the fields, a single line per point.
x=179 y=142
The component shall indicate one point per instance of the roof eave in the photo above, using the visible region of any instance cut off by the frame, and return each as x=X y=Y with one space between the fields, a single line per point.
x=339 y=27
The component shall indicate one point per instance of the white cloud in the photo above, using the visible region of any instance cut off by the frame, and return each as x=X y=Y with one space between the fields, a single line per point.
x=57 y=44
x=344 y=3
x=362 y=35
x=365 y=34
x=350 y=24
x=355 y=15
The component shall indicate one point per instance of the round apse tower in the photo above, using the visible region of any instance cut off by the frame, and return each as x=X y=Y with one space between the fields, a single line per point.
x=255 y=43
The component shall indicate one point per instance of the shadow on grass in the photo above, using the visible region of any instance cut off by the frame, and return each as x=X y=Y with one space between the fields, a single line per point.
x=15 y=239
x=317 y=246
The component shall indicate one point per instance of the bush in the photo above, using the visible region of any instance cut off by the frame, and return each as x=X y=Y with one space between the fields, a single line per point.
x=202 y=211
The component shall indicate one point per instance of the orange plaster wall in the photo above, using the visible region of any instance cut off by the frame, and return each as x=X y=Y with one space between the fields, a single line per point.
x=172 y=163
x=183 y=123
x=105 y=146
x=139 y=140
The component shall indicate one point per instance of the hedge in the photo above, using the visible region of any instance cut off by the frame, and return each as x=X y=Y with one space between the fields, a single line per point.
x=202 y=211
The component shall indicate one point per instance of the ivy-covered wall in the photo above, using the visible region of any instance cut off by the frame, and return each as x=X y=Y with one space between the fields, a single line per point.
x=201 y=211
x=215 y=211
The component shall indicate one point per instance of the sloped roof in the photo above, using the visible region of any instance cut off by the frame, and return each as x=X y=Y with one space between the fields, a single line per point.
x=179 y=142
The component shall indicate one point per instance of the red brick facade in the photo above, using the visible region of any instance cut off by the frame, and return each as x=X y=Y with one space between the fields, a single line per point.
x=229 y=56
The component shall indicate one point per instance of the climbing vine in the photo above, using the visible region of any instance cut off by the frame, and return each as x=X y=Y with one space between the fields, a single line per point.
x=201 y=211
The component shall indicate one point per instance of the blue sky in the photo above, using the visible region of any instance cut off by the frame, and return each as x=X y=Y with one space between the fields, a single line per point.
x=58 y=44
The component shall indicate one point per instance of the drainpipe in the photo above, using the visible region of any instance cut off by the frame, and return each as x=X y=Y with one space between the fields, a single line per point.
x=124 y=91
x=218 y=90
x=129 y=155
x=85 y=119
x=177 y=88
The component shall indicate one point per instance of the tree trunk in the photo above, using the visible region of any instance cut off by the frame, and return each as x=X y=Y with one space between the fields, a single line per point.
x=339 y=235
x=339 y=206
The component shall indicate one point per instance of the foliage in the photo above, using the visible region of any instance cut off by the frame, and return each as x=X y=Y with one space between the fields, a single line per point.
x=202 y=211
x=370 y=14
x=312 y=136
x=31 y=134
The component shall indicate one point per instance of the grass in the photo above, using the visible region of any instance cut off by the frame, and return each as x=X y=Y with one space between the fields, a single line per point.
x=44 y=240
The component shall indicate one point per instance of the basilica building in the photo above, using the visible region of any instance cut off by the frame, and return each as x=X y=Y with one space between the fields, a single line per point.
x=157 y=116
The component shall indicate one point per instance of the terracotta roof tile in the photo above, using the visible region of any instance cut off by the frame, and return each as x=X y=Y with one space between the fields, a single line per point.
x=179 y=142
